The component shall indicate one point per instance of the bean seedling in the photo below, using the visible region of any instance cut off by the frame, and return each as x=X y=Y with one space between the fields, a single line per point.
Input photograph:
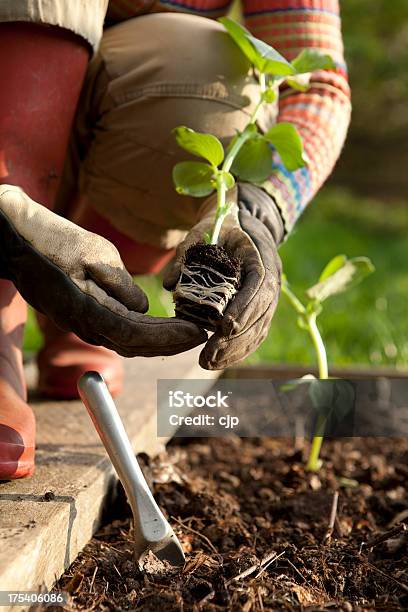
x=210 y=276
x=339 y=275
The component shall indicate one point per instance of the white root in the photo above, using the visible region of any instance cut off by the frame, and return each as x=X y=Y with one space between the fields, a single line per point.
x=205 y=286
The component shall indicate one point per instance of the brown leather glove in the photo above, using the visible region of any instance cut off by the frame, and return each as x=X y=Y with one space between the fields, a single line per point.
x=78 y=280
x=252 y=232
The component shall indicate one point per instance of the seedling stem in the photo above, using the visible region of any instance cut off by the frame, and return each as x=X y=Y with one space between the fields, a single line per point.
x=223 y=207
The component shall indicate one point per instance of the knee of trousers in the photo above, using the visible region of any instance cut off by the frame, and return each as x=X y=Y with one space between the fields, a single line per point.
x=155 y=73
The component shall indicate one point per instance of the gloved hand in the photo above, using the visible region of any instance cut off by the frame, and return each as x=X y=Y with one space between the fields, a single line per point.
x=252 y=232
x=78 y=280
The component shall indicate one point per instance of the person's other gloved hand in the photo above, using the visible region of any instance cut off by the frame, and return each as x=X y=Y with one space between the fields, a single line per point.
x=252 y=233
x=79 y=281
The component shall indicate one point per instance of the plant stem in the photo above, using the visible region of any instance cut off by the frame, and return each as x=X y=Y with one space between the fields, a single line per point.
x=319 y=346
x=233 y=152
x=309 y=320
x=293 y=299
x=222 y=207
x=313 y=462
x=222 y=210
x=243 y=137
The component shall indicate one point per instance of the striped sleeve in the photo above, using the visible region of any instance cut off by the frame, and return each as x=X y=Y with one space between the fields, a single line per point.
x=322 y=114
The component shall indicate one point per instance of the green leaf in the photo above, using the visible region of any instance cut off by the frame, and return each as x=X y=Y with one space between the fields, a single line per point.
x=332 y=398
x=288 y=143
x=202 y=145
x=334 y=264
x=290 y=385
x=310 y=59
x=194 y=178
x=300 y=82
x=239 y=34
x=321 y=394
x=227 y=179
x=254 y=161
x=269 y=95
x=268 y=60
x=207 y=238
x=346 y=276
x=259 y=53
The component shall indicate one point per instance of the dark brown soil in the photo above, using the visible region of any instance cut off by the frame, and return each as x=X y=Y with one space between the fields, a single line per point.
x=235 y=503
x=217 y=258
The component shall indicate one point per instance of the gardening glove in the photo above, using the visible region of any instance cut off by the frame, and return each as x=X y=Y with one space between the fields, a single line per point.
x=252 y=233
x=78 y=280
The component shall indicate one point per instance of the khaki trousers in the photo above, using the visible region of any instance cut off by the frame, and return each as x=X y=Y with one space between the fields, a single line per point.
x=83 y=17
x=151 y=74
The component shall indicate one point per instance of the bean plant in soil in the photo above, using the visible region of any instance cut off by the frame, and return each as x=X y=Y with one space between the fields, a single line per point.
x=210 y=275
x=328 y=395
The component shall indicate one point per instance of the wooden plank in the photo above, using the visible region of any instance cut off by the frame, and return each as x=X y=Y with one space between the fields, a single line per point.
x=40 y=535
x=288 y=371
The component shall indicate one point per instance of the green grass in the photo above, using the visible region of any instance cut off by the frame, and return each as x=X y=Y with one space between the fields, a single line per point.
x=366 y=326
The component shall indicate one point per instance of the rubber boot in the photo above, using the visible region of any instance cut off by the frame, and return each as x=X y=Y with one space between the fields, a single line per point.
x=42 y=70
x=17 y=423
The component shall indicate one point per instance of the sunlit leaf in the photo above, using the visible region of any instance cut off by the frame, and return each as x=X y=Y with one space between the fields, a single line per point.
x=350 y=274
x=239 y=34
x=290 y=385
x=227 y=179
x=300 y=82
x=254 y=161
x=269 y=95
x=334 y=264
x=268 y=60
x=288 y=143
x=332 y=398
x=193 y=178
x=202 y=145
x=311 y=59
x=264 y=57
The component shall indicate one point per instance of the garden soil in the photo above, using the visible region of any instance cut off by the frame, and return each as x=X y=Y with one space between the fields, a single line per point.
x=261 y=534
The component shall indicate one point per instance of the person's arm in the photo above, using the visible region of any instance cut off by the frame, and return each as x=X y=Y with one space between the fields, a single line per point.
x=322 y=114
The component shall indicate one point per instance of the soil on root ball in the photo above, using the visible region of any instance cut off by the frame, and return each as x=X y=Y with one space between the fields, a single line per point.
x=209 y=279
x=254 y=526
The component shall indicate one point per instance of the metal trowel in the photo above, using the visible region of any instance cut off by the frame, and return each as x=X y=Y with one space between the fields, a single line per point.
x=151 y=529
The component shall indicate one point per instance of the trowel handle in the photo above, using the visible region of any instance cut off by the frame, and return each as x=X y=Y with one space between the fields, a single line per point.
x=102 y=410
